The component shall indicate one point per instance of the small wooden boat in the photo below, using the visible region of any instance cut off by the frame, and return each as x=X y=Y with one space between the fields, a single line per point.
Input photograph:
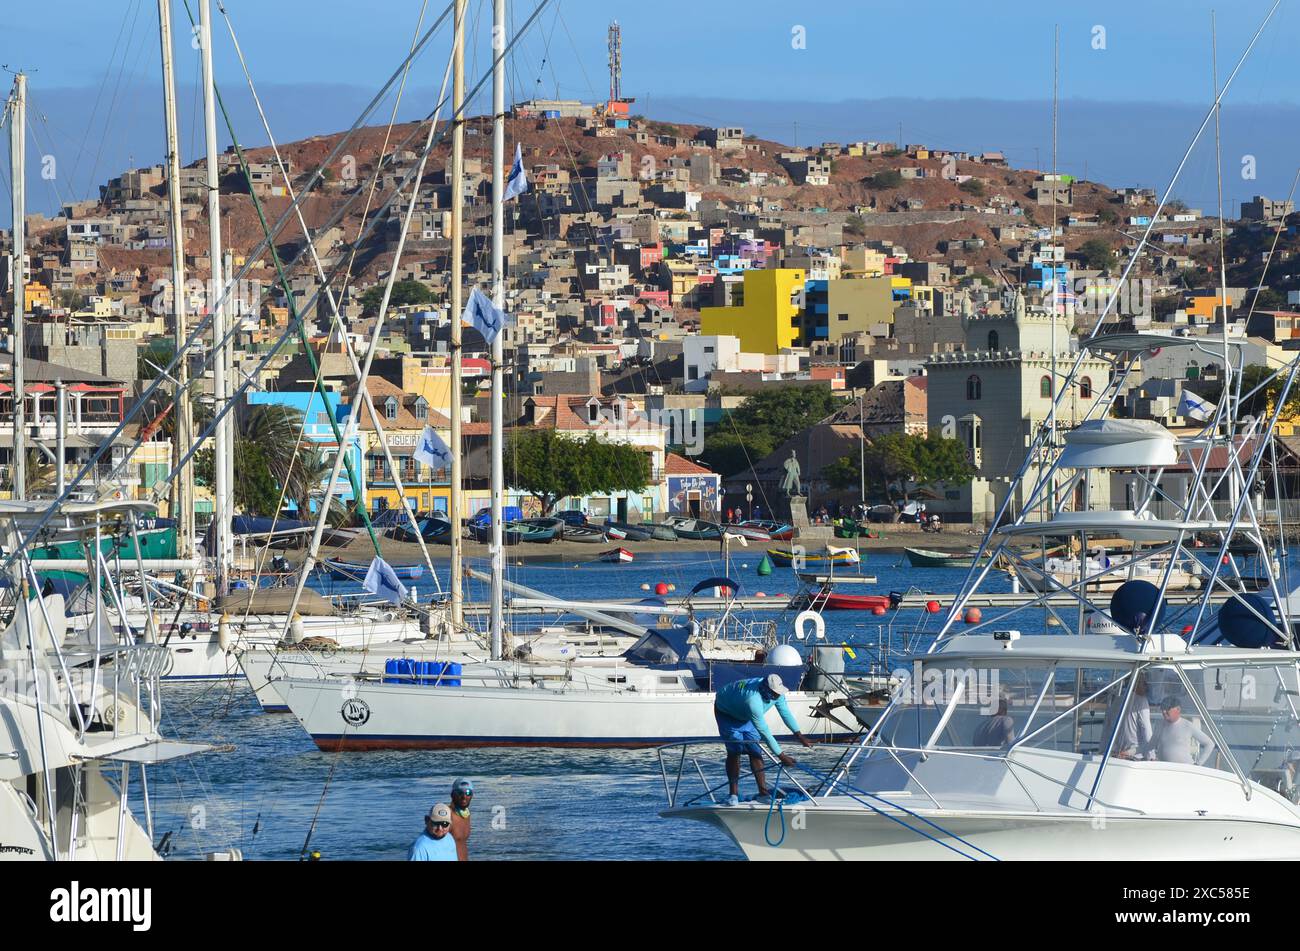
x=750 y=532
x=583 y=533
x=659 y=531
x=776 y=531
x=510 y=533
x=838 y=601
x=530 y=531
x=695 y=529
x=785 y=557
x=633 y=533
x=924 y=558
x=432 y=529
x=618 y=556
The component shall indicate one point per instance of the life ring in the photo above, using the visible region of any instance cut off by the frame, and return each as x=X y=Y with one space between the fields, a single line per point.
x=802 y=621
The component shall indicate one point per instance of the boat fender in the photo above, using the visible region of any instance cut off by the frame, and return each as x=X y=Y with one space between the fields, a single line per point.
x=806 y=618
x=224 y=639
x=296 y=630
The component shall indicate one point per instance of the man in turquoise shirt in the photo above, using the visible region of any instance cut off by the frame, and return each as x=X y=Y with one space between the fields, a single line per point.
x=740 y=709
x=435 y=843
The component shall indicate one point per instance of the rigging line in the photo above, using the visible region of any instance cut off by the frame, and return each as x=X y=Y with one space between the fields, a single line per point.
x=112 y=103
x=103 y=83
x=379 y=158
x=338 y=321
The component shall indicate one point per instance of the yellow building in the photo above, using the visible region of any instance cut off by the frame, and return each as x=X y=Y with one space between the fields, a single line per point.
x=38 y=296
x=768 y=319
x=1207 y=308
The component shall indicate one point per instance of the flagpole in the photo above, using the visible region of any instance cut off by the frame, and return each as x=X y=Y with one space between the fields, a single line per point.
x=497 y=622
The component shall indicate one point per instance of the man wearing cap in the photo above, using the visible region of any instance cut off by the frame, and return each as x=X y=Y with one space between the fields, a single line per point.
x=435 y=843
x=462 y=791
x=1174 y=744
x=740 y=709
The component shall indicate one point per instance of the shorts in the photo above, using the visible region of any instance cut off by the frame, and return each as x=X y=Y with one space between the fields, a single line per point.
x=740 y=736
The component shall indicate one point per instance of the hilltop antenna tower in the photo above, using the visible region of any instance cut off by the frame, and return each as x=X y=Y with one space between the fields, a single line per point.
x=615 y=62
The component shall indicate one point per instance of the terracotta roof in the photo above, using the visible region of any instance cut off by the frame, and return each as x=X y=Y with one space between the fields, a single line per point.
x=380 y=391
x=680 y=465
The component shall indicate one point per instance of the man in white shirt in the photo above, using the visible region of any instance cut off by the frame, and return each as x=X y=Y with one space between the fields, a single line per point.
x=1174 y=745
x=1134 y=736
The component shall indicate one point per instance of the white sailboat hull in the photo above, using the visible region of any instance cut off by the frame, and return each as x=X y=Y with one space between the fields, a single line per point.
x=360 y=716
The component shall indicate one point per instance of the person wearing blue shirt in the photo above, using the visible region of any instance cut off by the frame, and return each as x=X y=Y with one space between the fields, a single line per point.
x=740 y=709
x=435 y=843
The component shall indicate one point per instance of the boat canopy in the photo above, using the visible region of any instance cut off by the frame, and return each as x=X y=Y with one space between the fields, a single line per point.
x=1135 y=526
x=1119 y=444
x=667 y=646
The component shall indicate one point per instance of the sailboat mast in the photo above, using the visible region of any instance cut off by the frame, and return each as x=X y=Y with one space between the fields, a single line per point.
x=17 y=277
x=182 y=507
x=457 y=245
x=224 y=549
x=497 y=625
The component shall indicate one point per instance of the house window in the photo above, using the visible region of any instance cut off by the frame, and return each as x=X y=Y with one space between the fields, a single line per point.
x=421 y=409
x=1045 y=387
x=993 y=340
x=593 y=412
x=390 y=408
x=974 y=388
x=1085 y=388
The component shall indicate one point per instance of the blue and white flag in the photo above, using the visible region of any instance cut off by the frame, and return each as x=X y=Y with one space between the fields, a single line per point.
x=432 y=451
x=1195 y=407
x=517 y=183
x=483 y=315
x=381 y=580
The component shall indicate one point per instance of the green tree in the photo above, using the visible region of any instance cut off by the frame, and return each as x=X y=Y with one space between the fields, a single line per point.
x=551 y=467
x=907 y=458
x=405 y=292
x=764 y=421
x=972 y=186
x=1096 y=254
x=855 y=225
x=842 y=474
x=889 y=178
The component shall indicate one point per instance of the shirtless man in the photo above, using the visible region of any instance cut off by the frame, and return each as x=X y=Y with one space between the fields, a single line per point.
x=462 y=791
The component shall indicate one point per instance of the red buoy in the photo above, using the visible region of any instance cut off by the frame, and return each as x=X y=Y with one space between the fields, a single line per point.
x=661 y=589
x=973 y=615
x=933 y=607
x=878 y=610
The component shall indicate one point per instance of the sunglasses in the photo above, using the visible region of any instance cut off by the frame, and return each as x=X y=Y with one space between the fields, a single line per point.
x=441 y=825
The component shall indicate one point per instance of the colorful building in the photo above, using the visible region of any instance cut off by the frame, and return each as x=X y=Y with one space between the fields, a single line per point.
x=768 y=319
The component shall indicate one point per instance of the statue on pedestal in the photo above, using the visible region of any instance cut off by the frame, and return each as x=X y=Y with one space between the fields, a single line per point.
x=790 y=484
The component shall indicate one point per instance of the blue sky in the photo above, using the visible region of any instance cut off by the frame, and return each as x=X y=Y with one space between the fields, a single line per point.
x=866 y=67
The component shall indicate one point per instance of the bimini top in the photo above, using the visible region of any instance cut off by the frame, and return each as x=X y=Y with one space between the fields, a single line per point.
x=1100 y=649
x=1119 y=444
x=1143 y=527
x=1138 y=342
x=10 y=508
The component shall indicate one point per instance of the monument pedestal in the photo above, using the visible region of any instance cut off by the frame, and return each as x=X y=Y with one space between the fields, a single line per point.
x=799 y=512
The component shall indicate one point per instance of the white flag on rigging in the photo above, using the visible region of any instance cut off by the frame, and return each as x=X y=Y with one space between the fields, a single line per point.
x=432 y=451
x=1195 y=407
x=382 y=581
x=483 y=315
x=517 y=183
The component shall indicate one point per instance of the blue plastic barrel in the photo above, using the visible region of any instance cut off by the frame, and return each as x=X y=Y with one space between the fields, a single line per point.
x=399 y=670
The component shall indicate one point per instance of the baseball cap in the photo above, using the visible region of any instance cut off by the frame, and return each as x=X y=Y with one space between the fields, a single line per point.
x=440 y=813
x=462 y=787
x=777 y=685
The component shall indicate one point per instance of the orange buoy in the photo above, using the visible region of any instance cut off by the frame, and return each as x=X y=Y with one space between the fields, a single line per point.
x=760 y=594
x=878 y=610
x=973 y=615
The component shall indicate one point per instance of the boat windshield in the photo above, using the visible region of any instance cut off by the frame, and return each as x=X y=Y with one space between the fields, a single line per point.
x=990 y=708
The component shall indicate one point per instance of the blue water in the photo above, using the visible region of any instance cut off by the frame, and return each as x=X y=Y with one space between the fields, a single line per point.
x=531 y=804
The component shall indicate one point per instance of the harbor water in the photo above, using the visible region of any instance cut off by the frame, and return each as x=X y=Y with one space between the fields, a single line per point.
x=276 y=793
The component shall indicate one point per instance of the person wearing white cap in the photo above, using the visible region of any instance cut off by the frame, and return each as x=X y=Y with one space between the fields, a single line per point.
x=740 y=709
x=435 y=843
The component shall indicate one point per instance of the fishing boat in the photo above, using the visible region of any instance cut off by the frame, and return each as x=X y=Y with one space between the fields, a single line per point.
x=924 y=558
x=632 y=533
x=618 y=556
x=510 y=533
x=586 y=534
x=776 y=531
x=1101 y=574
x=432 y=529
x=1002 y=744
x=660 y=532
x=82 y=711
x=788 y=557
x=695 y=529
x=748 y=532
x=532 y=532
